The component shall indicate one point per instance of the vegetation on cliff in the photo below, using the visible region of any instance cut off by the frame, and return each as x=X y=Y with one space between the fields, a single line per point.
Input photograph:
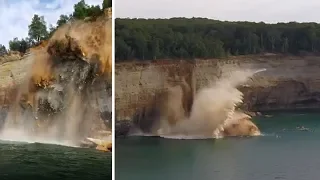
x=3 y=50
x=179 y=38
x=38 y=30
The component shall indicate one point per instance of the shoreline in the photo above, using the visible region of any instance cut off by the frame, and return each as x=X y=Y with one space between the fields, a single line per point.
x=124 y=127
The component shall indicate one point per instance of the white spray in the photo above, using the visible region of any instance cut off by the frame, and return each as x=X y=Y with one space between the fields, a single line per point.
x=212 y=109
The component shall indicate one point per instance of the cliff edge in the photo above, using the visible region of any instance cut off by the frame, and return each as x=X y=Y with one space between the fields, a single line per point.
x=289 y=82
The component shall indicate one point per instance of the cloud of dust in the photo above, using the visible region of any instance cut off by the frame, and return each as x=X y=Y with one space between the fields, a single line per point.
x=213 y=108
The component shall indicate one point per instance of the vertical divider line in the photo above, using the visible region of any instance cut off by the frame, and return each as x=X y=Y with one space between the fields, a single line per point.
x=113 y=90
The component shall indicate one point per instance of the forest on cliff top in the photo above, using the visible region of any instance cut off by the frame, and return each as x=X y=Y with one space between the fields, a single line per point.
x=38 y=30
x=183 y=38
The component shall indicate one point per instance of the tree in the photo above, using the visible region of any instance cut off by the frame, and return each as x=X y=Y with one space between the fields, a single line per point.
x=177 y=38
x=106 y=4
x=14 y=44
x=141 y=45
x=155 y=49
x=285 y=44
x=80 y=10
x=3 y=50
x=37 y=29
x=52 y=29
x=19 y=45
x=63 y=20
x=94 y=11
x=25 y=44
x=273 y=37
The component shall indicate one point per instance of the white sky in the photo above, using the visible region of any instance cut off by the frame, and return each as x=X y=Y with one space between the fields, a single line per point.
x=249 y=10
x=16 y=15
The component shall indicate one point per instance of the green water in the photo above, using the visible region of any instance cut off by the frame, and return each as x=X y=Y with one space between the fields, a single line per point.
x=282 y=153
x=32 y=161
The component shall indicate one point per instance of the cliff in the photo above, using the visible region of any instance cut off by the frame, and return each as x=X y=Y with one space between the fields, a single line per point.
x=13 y=71
x=75 y=63
x=289 y=83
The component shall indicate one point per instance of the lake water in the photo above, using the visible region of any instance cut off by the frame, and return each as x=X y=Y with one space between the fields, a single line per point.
x=284 y=152
x=42 y=161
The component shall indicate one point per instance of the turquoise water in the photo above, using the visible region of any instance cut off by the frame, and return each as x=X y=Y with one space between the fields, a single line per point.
x=284 y=152
x=32 y=161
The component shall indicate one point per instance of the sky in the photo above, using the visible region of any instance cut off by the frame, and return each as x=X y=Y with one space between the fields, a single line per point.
x=270 y=11
x=16 y=15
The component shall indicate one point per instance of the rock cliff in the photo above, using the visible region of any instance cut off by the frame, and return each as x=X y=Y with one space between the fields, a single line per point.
x=289 y=82
x=64 y=82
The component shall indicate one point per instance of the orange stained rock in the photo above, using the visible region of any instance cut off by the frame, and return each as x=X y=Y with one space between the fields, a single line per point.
x=91 y=40
x=41 y=73
x=107 y=147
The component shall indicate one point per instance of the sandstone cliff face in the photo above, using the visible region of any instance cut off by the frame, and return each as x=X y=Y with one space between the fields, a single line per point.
x=16 y=69
x=138 y=83
x=12 y=74
x=289 y=82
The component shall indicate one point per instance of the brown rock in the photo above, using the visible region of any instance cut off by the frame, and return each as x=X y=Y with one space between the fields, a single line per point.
x=242 y=127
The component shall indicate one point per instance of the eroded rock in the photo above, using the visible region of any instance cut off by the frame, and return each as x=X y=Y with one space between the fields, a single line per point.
x=241 y=127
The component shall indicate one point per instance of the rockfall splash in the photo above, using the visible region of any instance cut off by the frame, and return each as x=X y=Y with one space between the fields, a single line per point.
x=289 y=83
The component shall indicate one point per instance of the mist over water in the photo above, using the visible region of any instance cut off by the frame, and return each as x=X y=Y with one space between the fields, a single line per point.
x=213 y=108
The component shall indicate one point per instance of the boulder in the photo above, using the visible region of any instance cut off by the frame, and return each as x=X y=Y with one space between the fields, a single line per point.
x=241 y=127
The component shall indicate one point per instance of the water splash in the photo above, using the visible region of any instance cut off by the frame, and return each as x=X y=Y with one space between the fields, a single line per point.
x=213 y=109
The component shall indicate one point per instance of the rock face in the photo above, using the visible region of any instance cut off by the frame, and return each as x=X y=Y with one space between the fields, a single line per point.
x=138 y=83
x=12 y=74
x=289 y=82
x=67 y=78
x=242 y=127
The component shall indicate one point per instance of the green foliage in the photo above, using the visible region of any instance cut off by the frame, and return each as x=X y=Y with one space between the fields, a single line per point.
x=179 y=38
x=63 y=20
x=3 y=50
x=20 y=45
x=52 y=29
x=94 y=11
x=83 y=10
x=106 y=4
x=80 y=10
x=37 y=29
